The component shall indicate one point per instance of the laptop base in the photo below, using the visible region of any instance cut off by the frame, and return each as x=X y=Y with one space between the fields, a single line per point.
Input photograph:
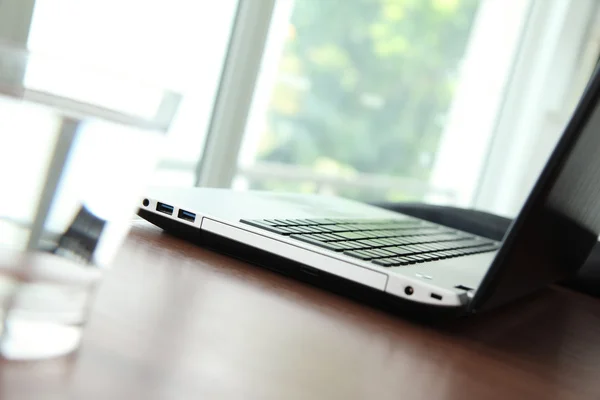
x=415 y=311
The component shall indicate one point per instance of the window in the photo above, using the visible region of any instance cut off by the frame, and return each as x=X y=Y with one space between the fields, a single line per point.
x=176 y=44
x=368 y=98
x=444 y=101
x=119 y=55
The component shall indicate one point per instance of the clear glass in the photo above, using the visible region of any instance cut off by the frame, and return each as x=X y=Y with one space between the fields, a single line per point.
x=44 y=301
x=359 y=98
x=72 y=176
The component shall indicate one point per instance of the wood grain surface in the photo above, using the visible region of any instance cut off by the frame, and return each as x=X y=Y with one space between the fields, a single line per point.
x=175 y=321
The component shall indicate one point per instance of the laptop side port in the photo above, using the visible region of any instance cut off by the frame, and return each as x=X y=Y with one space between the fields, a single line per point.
x=186 y=215
x=164 y=208
x=436 y=296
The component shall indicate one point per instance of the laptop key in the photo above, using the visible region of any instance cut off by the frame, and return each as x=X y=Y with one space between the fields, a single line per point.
x=295 y=229
x=321 y=236
x=386 y=262
x=380 y=253
x=351 y=235
x=355 y=245
x=418 y=258
x=312 y=229
x=439 y=256
x=400 y=250
x=430 y=256
x=329 y=237
x=345 y=245
x=284 y=222
x=373 y=253
x=395 y=241
x=370 y=243
x=336 y=228
x=427 y=246
x=320 y=228
x=418 y=248
x=304 y=229
x=415 y=249
x=315 y=242
x=338 y=220
x=262 y=222
x=303 y=222
x=272 y=222
x=411 y=259
x=424 y=256
x=359 y=245
x=267 y=226
x=402 y=261
x=438 y=246
x=378 y=242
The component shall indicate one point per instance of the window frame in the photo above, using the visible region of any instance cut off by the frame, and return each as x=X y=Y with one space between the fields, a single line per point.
x=15 y=20
x=218 y=162
x=557 y=56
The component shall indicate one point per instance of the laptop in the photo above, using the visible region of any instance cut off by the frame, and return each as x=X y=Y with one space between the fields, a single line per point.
x=331 y=240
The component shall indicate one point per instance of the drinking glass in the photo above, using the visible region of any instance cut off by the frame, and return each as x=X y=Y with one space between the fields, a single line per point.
x=78 y=145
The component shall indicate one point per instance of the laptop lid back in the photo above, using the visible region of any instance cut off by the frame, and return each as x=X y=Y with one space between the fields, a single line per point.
x=560 y=221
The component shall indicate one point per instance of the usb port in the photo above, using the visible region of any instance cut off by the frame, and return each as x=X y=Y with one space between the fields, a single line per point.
x=188 y=216
x=164 y=208
x=436 y=296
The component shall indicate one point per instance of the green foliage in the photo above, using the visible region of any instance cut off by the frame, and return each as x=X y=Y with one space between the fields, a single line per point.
x=381 y=75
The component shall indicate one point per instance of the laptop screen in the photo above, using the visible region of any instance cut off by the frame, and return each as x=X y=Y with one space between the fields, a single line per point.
x=559 y=224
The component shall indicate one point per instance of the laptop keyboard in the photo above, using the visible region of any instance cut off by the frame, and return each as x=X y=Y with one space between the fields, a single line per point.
x=384 y=242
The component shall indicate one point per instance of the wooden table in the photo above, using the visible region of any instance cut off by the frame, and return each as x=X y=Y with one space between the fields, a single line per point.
x=174 y=321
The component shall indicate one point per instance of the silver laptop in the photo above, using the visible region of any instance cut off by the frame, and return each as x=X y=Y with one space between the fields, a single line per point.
x=330 y=239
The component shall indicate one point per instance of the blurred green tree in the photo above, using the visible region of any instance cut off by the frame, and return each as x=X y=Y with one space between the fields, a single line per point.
x=367 y=83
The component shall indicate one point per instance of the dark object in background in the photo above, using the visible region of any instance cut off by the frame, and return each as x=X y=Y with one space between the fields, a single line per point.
x=82 y=237
x=494 y=227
